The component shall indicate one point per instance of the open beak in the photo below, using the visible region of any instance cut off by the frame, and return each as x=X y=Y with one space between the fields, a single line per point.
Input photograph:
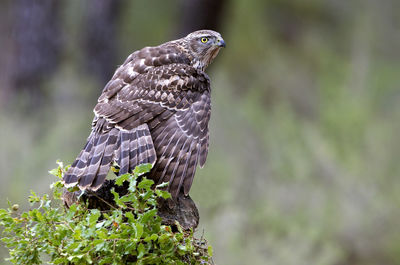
x=221 y=43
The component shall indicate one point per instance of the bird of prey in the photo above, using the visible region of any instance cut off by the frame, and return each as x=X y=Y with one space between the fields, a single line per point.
x=155 y=109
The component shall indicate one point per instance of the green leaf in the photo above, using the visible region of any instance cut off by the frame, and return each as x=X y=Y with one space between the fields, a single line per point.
x=132 y=185
x=102 y=233
x=75 y=257
x=106 y=260
x=99 y=244
x=120 y=179
x=210 y=251
x=139 y=230
x=142 y=169
x=59 y=260
x=38 y=216
x=71 y=211
x=130 y=216
x=88 y=259
x=154 y=237
x=163 y=238
x=77 y=234
x=147 y=215
x=141 y=251
x=54 y=172
x=162 y=185
x=145 y=183
x=179 y=227
x=33 y=197
x=164 y=194
x=117 y=199
x=94 y=216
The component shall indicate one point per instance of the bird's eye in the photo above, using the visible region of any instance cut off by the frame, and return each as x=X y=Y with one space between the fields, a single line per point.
x=204 y=40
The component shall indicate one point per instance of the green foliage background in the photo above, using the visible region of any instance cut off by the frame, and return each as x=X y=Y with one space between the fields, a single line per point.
x=303 y=163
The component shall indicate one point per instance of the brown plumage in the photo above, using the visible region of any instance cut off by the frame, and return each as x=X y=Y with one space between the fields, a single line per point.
x=155 y=109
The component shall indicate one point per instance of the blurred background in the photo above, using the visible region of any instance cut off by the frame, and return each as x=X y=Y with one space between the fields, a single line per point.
x=304 y=163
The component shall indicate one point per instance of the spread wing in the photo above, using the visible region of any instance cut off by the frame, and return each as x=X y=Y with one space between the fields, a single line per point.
x=174 y=101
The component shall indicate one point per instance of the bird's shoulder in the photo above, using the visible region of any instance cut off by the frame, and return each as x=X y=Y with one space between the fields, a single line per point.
x=163 y=67
x=141 y=61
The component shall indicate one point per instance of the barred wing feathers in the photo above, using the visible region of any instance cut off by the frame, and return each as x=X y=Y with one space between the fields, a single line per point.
x=182 y=143
x=155 y=110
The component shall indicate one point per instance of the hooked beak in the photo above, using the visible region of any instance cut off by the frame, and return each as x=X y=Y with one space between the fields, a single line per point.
x=221 y=43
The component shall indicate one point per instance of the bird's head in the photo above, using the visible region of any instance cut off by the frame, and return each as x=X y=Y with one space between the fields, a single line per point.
x=203 y=46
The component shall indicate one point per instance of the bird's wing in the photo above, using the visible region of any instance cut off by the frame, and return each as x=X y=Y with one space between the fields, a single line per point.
x=182 y=143
x=174 y=100
x=114 y=136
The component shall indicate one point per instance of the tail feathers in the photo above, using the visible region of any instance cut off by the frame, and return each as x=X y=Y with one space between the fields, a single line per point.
x=94 y=163
x=107 y=159
x=123 y=161
x=136 y=148
x=77 y=168
x=127 y=148
x=144 y=148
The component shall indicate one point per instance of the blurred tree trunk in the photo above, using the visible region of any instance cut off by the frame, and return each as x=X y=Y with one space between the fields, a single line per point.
x=200 y=14
x=37 y=39
x=100 y=40
x=5 y=55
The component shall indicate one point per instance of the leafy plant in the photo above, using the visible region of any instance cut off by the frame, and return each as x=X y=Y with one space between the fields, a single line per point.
x=130 y=233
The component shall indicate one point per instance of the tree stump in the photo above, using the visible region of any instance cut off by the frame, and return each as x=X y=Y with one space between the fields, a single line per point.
x=183 y=211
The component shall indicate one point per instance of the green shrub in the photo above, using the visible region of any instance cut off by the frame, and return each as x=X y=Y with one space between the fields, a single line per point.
x=130 y=233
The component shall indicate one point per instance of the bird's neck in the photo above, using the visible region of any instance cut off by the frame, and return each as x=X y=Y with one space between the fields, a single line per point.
x=198 y=64
x=206 y=60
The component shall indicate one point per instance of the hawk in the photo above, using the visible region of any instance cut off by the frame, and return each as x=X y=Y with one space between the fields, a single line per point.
x=155 y=109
